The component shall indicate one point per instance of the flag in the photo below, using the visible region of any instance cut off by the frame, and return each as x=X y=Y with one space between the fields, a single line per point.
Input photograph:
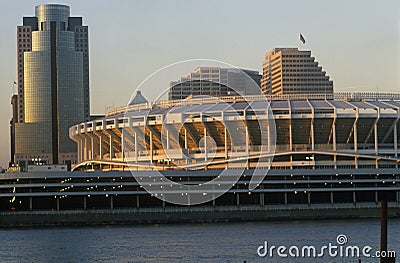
x=302 y=39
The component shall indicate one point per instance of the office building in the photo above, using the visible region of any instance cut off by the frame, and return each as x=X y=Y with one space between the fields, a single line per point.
x=53 y=84
x=216 y=81
x=293 y=71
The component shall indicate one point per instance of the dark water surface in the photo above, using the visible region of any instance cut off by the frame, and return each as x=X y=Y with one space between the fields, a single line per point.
x=222 y=242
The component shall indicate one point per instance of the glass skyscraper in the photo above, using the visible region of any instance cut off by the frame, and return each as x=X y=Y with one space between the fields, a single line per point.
x=53 y=84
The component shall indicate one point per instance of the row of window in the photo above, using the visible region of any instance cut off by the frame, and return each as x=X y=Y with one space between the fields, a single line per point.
x=302 y=70
x=296 y=56
x=24 y=45
x=24 y=40
x=81 y=29
x=304 y=75
x=298 y=60
x=23 y=35
x=24 y=29
x=323 y=84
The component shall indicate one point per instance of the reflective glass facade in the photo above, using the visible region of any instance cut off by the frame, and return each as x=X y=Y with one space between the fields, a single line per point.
x=55 y=84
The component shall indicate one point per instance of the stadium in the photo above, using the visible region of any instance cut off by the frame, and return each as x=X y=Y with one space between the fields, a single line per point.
x=337 y=151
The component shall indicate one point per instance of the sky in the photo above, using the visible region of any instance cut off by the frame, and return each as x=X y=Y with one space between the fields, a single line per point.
x=356 y=42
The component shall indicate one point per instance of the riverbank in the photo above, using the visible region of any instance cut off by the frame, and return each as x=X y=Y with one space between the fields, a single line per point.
x=194 y=214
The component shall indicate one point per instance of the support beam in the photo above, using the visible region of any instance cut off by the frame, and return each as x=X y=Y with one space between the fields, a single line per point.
x=101 y=148
x=334 y=134
x=312 y=135
x=226 y=142
x=395 y=140
x=376 y=138
x=92 y=155
x=151 y=146
x=205 y=145
x=122 y=146
x=136 y=147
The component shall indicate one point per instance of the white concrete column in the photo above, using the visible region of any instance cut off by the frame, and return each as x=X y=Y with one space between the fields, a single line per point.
x=205 y=144
x=122 y=146
x=186 y=139
x=111 y=147
x=290 y=135
x=79 y=151
x=355 y=140
x=136 y=148
x=247 y=140
x=376 y=137
x=334 y=135
x=92 y=147
x=151 y=146
x=101 y=148
x=312 y=135
x=167 y=138
x=395 y=139
x=355 y=136
x=226 y=143
x=85 y=149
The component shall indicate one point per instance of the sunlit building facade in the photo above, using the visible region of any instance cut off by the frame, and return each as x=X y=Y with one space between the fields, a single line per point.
x=216 y=81
x=293 y=71
x=53 y=84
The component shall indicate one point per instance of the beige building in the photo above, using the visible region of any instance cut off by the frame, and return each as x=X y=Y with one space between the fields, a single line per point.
x=293 y=71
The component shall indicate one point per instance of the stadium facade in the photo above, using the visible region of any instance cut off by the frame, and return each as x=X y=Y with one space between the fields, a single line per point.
x=337 y=152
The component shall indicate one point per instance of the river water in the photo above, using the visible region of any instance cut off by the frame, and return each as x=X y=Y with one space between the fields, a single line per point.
x=220 y=242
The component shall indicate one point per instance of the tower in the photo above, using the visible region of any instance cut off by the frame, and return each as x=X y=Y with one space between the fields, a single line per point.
x=53 y=84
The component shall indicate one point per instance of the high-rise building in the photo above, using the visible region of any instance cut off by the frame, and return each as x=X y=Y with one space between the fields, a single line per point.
x=216 y=81
x=293 y=71
x=53 y=84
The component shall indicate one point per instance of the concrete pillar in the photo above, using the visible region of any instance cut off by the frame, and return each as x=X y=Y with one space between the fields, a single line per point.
x=79 y=151
x=355 y=136
x=308 y=198
x=247 y=148
x=136 y=148
x=84 y=202
x=186 y=139
x=111 y=202
x=111 y=148
x=395 y=139
x=92 y=147
x=237 y=199
x=334 y=135
x=58 y=203
x=312 y=135
x=137 y=202
x=85 y=149
x=205 y=145
x=122 y=146
x=30 y=204
x=332 y=200
x=167 y=138
x=101 y=148
x=226 y=143
x=285 y=198
x=151 y=146
x=290 y=136
x=376 y=137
